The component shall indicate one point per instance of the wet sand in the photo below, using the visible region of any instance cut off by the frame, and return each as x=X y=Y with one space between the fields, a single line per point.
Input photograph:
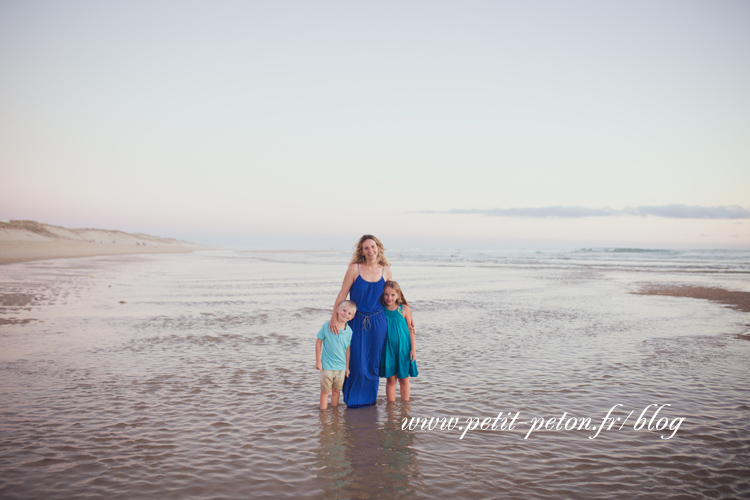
x=736 y=300
x=201 y=384
x=21 y=251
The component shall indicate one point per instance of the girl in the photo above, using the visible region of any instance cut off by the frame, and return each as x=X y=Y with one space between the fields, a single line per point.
x=400 y=351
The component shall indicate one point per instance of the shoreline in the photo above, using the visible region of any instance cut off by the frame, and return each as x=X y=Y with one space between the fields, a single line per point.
x=12 y=252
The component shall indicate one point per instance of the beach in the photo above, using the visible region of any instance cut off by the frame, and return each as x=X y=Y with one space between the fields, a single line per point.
x=560 y=189
x=22 y=241
x=192 y=376
x=737 y=299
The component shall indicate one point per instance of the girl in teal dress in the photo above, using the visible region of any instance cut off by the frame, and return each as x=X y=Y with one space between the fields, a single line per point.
x=399 y=359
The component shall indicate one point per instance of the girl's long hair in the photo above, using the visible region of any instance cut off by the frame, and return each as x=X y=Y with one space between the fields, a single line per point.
x=401 y=300
x=359 y=258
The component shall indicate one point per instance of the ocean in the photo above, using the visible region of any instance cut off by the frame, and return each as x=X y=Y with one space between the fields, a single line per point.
x=542 y=375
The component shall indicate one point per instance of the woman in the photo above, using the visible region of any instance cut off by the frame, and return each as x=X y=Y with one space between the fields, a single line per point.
x=364 y=279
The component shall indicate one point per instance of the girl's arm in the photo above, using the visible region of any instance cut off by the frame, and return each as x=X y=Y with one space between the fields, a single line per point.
x=410 y=324
x=349 y=277
x=318 y=349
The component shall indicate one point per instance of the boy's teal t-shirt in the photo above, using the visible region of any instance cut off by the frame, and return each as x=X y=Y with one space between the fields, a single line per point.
x=333 y=356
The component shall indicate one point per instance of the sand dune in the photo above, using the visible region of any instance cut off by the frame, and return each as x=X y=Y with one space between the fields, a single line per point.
x=23 y=240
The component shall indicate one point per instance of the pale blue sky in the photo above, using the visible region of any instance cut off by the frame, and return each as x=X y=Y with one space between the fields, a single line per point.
x=306 y=124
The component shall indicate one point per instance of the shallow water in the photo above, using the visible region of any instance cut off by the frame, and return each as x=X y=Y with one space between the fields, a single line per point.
x=202 y=384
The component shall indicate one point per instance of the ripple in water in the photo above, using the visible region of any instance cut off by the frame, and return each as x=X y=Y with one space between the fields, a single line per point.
x=202 y=385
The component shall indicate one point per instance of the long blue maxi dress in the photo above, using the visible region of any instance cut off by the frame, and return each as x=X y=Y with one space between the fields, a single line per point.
x=368 y=337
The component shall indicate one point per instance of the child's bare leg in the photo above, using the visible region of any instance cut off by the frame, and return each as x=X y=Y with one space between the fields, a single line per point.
x=324 y=399
x=335 y=397
x=404 y=389
x=390 y=388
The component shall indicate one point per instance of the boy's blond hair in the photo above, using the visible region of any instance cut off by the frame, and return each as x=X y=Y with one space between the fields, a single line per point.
x=349 y=304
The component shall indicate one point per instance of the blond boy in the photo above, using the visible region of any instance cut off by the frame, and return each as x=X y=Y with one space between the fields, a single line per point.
x=332 y=354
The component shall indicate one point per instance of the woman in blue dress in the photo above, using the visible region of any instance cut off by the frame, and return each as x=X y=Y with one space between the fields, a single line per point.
x=363 y=282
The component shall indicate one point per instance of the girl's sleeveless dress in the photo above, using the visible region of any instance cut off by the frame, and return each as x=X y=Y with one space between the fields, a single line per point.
x=368 y=335
x=396 y=358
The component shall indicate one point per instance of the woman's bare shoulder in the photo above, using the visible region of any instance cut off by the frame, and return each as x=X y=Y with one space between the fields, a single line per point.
x=352 y=271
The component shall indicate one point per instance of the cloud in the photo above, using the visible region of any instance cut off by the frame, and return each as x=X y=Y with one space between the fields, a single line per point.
x=693 y=212
x=541 y=212
x=666 y=211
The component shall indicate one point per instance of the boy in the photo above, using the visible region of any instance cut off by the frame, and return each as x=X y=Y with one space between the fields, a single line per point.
x=332 y=354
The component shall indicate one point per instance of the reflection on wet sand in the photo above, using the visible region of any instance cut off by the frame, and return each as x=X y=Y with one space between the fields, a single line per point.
x=332 y=463
x=401 y=457
x=362 y=456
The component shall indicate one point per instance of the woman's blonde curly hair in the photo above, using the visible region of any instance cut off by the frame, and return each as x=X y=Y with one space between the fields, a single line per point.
x=359 y=258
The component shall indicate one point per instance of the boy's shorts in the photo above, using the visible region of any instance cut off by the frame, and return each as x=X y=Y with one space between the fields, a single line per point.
x=332 y=378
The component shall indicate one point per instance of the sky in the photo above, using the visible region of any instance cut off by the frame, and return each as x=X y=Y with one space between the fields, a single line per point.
x=304 y=124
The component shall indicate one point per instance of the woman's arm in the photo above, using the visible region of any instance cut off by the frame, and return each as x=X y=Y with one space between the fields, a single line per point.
x=410 y=324
x=349 y=277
